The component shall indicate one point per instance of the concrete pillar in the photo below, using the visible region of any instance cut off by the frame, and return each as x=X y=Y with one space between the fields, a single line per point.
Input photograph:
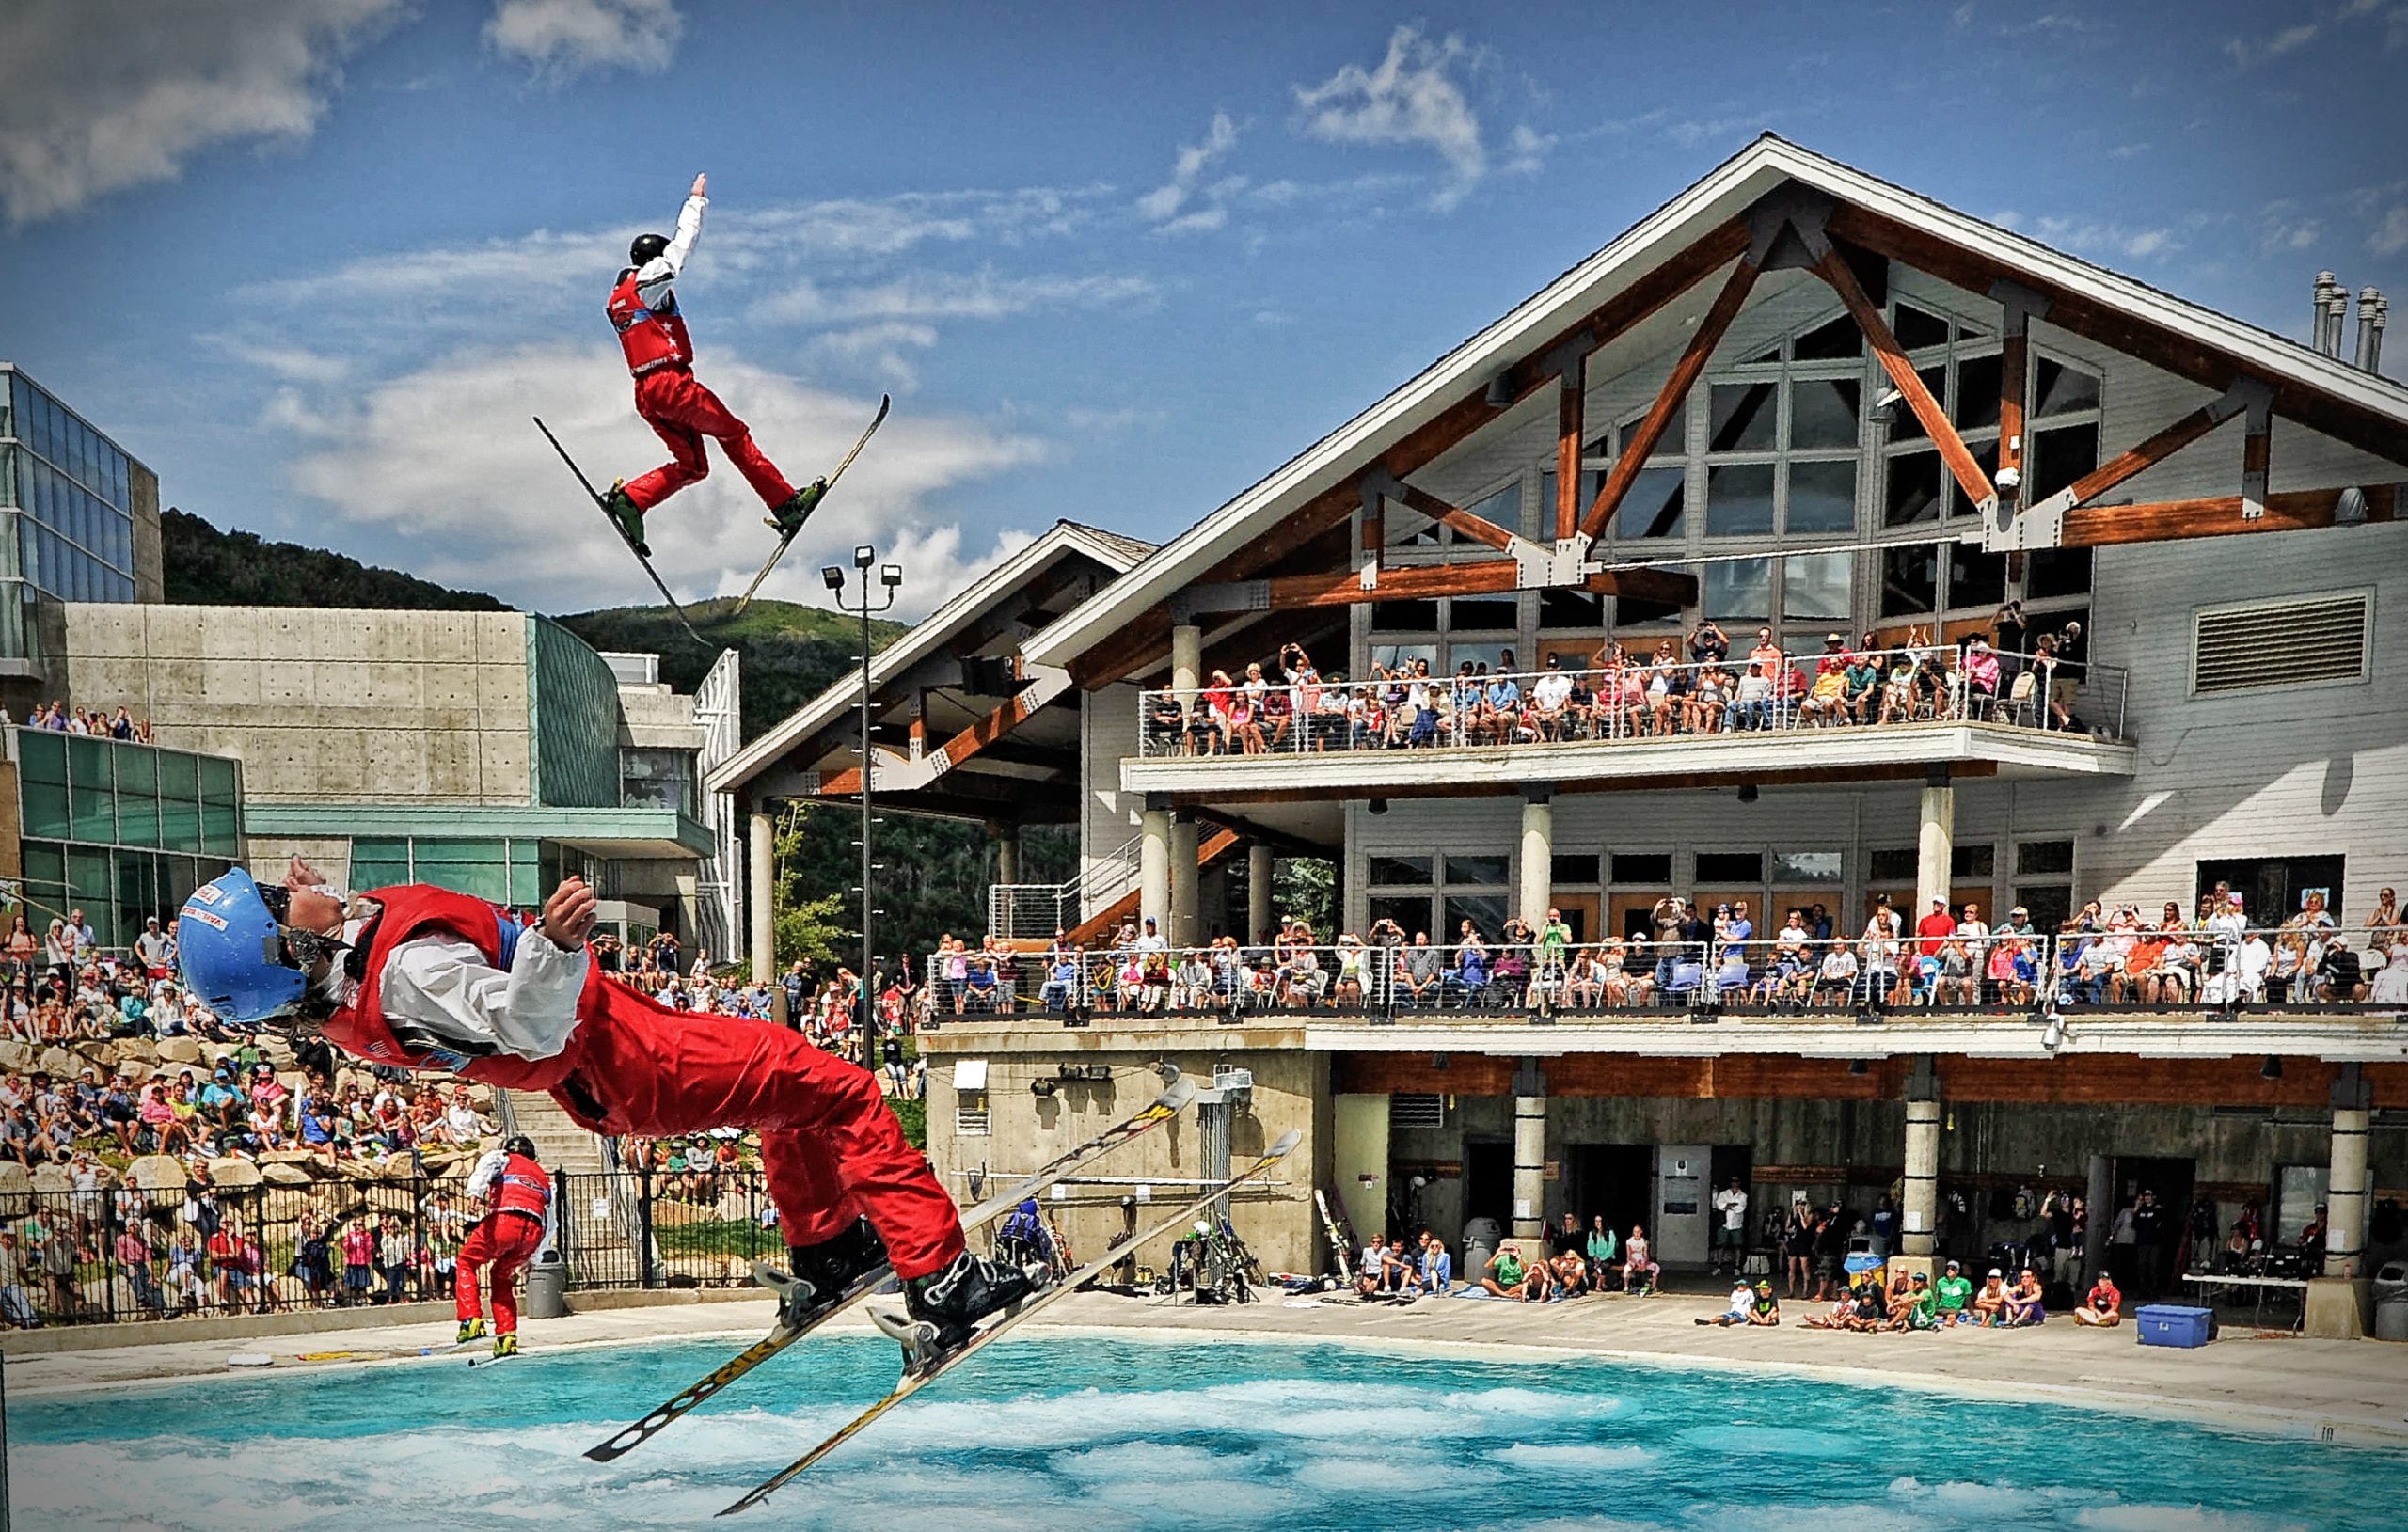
x=2345 y=1193
x=1257 y=894
x=1153 y=868
x=1919 y=1220
x=1183 y=929
x=1186 y=657
x=1529 y=1151
x=1935 y=845
x=2100 y=1199
x=760 y=897
x=1006 y=852
x=1538 y=854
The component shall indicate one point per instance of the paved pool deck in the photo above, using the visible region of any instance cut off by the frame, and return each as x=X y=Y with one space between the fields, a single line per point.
x=2261 y=1381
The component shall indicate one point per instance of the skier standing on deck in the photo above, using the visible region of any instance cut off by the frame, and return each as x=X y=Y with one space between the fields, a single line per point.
x=652 y=332
x=424 y=978
x=517 y=1198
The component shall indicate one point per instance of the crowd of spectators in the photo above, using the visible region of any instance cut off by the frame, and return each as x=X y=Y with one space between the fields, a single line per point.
x=60 y=719
x=1691 y=953
x=1633 y=691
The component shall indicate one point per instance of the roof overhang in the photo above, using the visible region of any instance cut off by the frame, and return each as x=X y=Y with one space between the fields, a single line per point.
x=2369 y=410
x=630 y=835
x=1890 y=753
x=923 y=639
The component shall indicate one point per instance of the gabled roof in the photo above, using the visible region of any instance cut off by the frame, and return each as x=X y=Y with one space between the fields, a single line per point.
x=1111 y=549
x=1722 y=195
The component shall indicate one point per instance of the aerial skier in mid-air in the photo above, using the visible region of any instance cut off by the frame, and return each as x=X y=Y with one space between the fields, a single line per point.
x=652 y=332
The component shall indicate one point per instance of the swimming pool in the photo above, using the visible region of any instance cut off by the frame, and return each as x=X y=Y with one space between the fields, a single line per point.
x=1084 y=1434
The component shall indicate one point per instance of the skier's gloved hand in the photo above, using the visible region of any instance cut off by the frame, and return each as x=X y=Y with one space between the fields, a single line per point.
x=702 y=185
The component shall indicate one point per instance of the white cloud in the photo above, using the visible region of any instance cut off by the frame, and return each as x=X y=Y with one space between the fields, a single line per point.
x=929 y=296
x=1409 y=98
x=1164 y=204
x=294 y=363
x=2247 y=52
x=98 y=95
x=2391 y=237
x=493 y=509
x=1527 y=150
x=560 y=39
x=883 y=346
x=1963 y=15
x=2084 y=236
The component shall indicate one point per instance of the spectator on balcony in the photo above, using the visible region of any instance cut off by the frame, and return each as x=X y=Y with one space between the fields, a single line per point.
x=1709 y=644
x=1170 y=728
x=1835 y=977
x=1424 y=980
x=1751 y=700
x=1551 y=700
x=1959 y=984
x=2340 y=975
x=1584 y=981
x=1935 y=928
x=2072 y=652
x=1468 y=981
x=1191 y=983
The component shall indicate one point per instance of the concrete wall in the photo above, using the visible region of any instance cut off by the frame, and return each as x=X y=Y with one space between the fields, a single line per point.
x=1290 y=1091
x=327 y=706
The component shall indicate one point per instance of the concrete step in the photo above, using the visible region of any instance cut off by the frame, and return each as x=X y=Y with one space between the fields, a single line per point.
x=560 y=1143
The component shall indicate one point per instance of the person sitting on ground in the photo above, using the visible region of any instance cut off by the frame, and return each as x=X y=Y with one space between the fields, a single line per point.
x=1764 y=1311
x=1600 y=1248
x=1989 y=1306
x=2104 y=1309
x=1743 y=1298
x=1923 y=1305
x=1872 y=1304
x=1842 y=1316
x=1953 y=1291
x=2024 y=1304
x=1506 y=1272
x=1438 y=1266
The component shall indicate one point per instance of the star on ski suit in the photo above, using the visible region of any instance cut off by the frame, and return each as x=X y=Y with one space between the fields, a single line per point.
x=644 y=310
x=438 y=980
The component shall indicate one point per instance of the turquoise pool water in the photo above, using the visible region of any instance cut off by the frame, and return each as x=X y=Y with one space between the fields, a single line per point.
x=1089 y=1436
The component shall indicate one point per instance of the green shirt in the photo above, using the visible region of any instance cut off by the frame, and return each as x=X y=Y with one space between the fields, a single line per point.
x=1508 y=1269
x=1953 y=1291
x=1553 y=940
x=1924 y=1312
x=1601 y=1245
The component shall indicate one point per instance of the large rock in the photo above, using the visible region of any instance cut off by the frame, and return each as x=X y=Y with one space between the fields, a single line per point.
x=180 y=1050
x=158 y=1173
x=16 y=1055
x=285 y=1173
x=58 y=1063
x=231 y=1172
x=51 y=1179
x=15 y=1180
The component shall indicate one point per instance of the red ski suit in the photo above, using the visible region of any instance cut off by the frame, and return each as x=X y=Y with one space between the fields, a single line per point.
x=661 y=356
x=504 y=1240
x=832 y=1148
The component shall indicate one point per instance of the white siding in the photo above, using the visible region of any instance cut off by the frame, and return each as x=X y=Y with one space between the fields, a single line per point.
x=1107 y=732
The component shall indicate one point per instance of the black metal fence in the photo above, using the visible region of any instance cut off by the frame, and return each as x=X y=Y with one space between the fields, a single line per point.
x=123 y=1252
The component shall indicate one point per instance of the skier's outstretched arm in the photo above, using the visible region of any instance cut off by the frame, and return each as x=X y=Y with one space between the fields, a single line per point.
x=444 y=985
x=690 y=226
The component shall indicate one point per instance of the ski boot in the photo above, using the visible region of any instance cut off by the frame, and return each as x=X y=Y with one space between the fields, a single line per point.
x=789 y=516
x=823 y=1272
x=622 y=508
x=505 y=1345
x=952 y=1301
x=473 y=1330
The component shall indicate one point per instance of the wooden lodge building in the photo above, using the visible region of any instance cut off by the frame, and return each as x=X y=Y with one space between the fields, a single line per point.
x=1796 y=400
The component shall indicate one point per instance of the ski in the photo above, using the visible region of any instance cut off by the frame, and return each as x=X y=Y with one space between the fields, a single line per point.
x=659 y=584
x=1337 y=1237
x=786 y=539
x=924 y=1366
x=489 y=1361
x=1161 y=1110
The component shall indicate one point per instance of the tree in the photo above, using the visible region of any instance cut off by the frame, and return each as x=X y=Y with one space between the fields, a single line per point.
x=1305 y=888
x=803 y=929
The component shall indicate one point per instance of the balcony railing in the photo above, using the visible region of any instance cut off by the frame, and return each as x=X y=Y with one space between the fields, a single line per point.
x=1629 y=701
x=2006 y=974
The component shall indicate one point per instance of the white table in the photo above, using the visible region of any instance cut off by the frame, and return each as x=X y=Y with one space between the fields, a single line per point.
x=2205 y=1280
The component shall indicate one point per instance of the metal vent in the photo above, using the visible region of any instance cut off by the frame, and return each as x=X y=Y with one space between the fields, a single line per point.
x=2279 y=643
x=1417 y=1111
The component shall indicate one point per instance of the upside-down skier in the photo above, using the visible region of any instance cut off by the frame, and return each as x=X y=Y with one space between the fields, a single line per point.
x=422 y=978
x=517 y=1197
x=652 y=332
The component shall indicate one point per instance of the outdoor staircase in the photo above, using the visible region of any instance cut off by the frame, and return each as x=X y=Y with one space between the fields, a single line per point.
x=1219 y=844
x=561 y=1145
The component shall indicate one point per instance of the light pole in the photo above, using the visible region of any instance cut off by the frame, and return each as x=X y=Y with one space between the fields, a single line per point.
x=890 y=576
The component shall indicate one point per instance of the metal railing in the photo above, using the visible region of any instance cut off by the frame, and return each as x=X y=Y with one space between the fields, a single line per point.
x=122 y=1254
x=2020 y=972
x=1034 y=911
x=1628 y=699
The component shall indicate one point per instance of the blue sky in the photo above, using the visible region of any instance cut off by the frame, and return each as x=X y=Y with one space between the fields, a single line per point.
x=316 y=261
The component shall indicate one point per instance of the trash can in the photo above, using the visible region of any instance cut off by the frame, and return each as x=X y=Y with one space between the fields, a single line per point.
x=1481 y=1237
x=548 y=1286
x=2391 y=1302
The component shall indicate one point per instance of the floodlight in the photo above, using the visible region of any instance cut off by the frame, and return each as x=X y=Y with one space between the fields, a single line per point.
x=865 y=555
x=835 y=578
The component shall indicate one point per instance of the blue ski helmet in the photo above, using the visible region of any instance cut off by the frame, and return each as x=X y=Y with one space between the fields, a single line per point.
x=230 y=946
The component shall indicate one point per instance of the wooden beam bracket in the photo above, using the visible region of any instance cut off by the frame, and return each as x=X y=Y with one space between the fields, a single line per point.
x=2042 y=524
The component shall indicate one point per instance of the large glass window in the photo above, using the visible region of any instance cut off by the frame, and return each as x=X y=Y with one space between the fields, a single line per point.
x=1815 y=587
x=1822 y=495
x=1738 y=499
x=656 y=778
x=1738 y=589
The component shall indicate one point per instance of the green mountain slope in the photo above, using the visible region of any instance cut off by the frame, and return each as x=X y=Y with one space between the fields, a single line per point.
x=207 y=567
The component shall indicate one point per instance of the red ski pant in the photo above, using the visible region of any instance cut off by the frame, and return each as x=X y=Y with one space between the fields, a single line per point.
x=684 y=411
x=831 y=1145
x=503 y=1244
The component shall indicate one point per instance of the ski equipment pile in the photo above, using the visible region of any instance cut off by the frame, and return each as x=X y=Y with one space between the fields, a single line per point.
x=923 y=1367
x=786 y=538
x=1161 y=1110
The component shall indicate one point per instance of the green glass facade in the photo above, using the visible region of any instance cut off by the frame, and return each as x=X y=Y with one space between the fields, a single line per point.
x=575 y=702
x=66 y=509
x=502 y=869
x=120 y=831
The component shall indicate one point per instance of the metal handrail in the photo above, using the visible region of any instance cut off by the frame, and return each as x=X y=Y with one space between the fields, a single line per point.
x=1063 y=904
x=1622 y=699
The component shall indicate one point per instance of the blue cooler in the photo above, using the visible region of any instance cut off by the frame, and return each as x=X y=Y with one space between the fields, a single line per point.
x=2169 y=1324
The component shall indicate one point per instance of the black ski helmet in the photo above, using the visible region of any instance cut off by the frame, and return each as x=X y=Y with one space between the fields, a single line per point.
x=519 y=1145
x=647 y=248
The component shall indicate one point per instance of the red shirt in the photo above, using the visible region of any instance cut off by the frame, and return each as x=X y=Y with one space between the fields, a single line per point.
x=1934 y=929
x=358 y=1248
